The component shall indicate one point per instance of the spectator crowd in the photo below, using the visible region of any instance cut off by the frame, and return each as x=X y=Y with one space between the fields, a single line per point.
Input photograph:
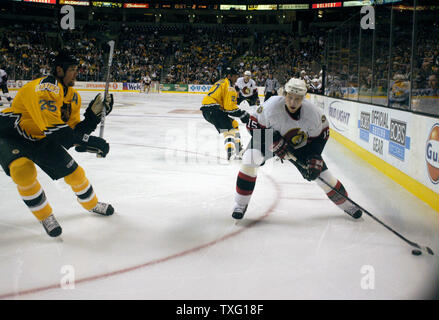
x=169 y=54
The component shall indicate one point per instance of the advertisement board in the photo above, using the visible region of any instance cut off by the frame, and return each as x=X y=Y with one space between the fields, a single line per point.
x=326 y=5
x=136 y=5
x=131 y=86
x=406 y=143
x=74 y=2
x=293 y=6
x=341 y=115
x=42 y=1
x=199 y=88
x=16 y=84
x=386 y=133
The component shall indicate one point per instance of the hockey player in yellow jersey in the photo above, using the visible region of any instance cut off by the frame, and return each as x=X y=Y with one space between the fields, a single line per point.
x=41 y=123
x=219 y=105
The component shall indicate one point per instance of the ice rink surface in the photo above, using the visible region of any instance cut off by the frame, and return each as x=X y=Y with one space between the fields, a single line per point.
x=173 y=237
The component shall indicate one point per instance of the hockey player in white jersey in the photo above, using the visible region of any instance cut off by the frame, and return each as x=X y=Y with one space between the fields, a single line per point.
x=146 y=84
x=247 y=89
x=4 y=86
x=288 y=125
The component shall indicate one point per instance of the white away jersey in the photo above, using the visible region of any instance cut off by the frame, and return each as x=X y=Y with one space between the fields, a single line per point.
x=273 y=114
x=246 y=88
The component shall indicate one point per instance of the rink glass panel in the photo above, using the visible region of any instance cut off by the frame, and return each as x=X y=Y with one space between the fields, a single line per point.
x=376 y=65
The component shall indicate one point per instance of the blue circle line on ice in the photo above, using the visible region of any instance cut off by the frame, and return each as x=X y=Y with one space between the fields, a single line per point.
x=159 y=260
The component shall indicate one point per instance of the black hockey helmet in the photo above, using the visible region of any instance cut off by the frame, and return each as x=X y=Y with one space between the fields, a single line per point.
x=64 y=59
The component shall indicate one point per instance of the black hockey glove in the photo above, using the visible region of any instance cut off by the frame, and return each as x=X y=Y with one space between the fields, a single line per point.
x=279 y=146
x=245 y=118
x=93 y=113
x=314 y=166
x=92 y=144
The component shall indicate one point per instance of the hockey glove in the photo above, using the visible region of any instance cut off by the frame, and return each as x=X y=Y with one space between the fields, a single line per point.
x=97 y=105
x=92 y=144
x=314 y=166
x=258 y=102
x=245 y=118
x=279 y=146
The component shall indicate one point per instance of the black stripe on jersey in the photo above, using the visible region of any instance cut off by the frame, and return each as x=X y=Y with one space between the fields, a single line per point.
x=55 y=128
x=229 y=140
x=235 y=113
x=37 y=201
x=17 y=117
x=49 y=79
x=86 y=194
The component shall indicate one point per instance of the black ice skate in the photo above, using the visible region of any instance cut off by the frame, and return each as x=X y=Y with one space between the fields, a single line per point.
x=104 y=209
x=239 y=211
x=51 y=226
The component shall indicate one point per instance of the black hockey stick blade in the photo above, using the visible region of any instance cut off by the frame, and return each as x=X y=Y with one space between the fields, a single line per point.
x=413 y=244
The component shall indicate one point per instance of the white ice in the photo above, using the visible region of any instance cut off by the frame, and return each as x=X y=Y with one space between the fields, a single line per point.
x=173 y=237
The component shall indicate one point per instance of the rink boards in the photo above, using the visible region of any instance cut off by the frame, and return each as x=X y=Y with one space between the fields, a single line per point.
x=402 y=145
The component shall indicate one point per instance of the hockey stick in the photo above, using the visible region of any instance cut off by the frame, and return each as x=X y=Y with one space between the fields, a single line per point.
x=294 y=160
x=107 y=84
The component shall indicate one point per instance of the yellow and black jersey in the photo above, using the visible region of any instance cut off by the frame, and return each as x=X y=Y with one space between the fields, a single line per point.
x=222 y=94
x=43 y=107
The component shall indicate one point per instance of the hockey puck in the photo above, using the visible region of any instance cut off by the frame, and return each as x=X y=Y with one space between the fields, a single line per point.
x=416 y=252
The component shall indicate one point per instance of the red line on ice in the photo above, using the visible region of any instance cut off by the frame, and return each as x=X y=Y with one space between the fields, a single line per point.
x=153 y=262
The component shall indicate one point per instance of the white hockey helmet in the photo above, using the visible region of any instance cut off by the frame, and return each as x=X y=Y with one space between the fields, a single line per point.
x=296 y=86
x=247 y=73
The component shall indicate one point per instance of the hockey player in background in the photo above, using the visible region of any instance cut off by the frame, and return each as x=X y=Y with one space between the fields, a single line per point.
x=283 y=126
x=146 y=83
x=4 y=85
x=305 y=77
x=219 y=105
x=247 y=89
x=42 y=122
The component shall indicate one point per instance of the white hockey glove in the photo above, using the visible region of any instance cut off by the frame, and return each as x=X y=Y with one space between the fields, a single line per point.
x=97 y=105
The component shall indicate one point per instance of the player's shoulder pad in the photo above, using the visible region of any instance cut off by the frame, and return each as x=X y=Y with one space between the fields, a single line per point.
x=48 y=84
x=273 y=105
x=313 y=111
x=49 y=79
x=75 y=95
